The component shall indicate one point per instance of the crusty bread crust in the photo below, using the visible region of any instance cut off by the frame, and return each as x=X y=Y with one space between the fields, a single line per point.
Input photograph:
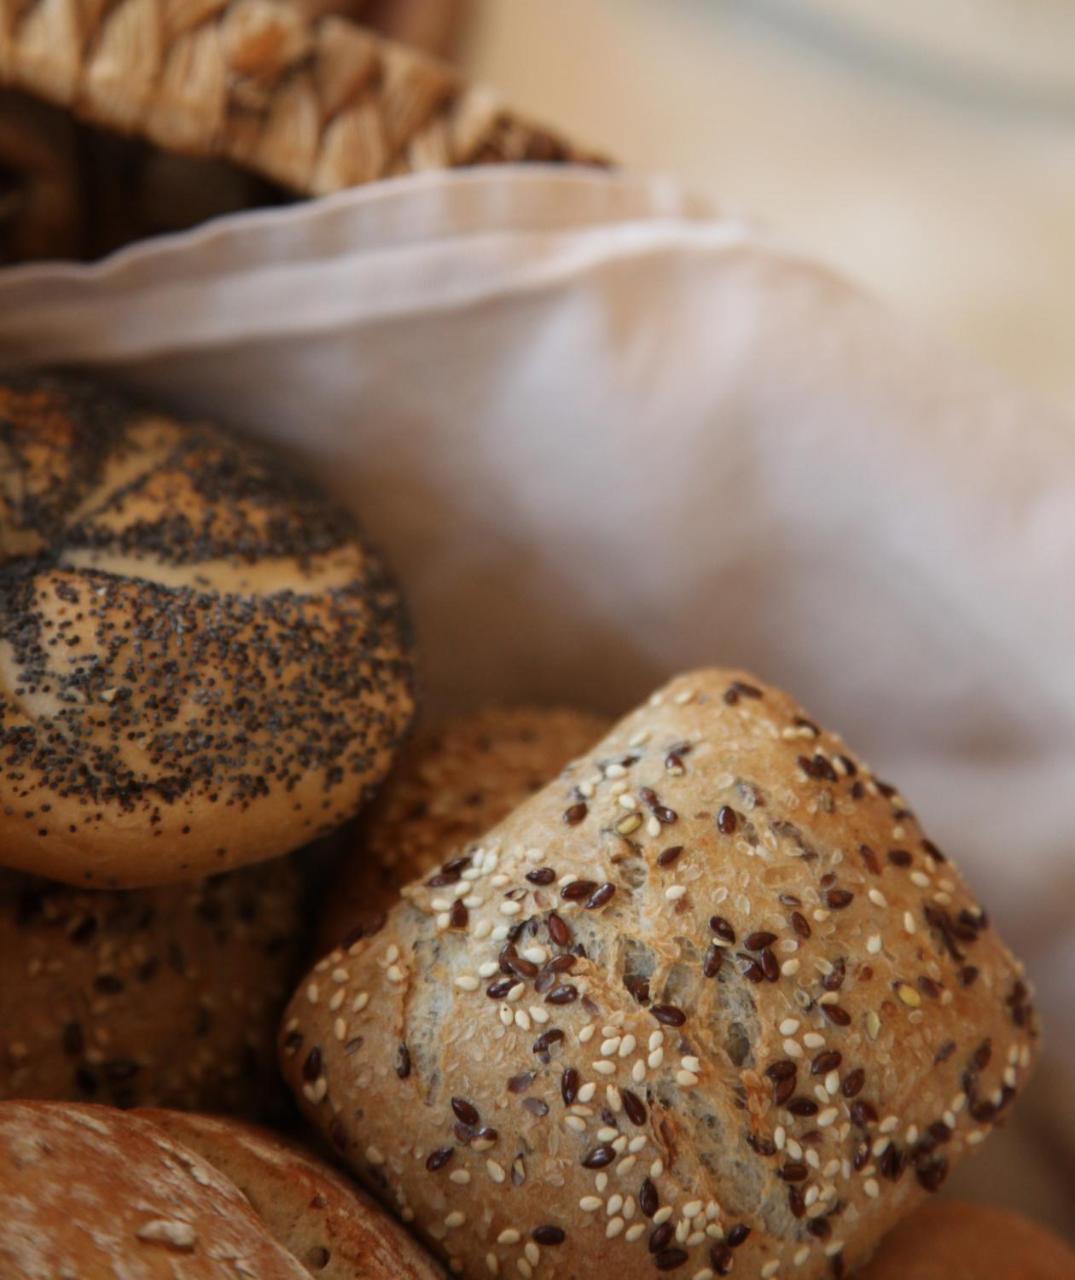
x=329 y=1224
x=946 y=1240
x=711 y=998
x=88 y=1193
x=201 y=664
x=169 y=996
x=450 y=787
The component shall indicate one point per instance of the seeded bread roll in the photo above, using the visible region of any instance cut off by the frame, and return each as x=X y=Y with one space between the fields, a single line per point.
x=326 y=1222
x=450 y=787
x=201 y=665
x=87 y=1193
x=950 y=1241
x=168 y=996
x=713 y=999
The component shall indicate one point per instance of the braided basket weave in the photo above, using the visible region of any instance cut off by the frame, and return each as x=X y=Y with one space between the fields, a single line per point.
x=315 y=104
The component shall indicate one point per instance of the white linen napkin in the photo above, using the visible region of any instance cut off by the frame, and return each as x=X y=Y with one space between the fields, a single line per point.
x=605 y=434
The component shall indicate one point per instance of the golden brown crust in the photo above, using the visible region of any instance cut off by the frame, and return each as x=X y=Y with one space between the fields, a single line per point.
x=325 y=1222
x=200 y=664
x=168 y=996
x=88 y=1193
x=713 y=998
x=450 y=787
x=951 y=1241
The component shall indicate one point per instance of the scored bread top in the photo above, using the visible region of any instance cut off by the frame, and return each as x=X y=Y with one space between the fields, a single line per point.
x=201 y=664
x=711 y=998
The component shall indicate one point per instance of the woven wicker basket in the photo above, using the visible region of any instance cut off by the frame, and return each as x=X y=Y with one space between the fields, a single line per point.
x=310 y=102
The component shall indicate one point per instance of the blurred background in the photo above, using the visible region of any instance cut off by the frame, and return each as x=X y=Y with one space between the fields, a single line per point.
x=926 y=150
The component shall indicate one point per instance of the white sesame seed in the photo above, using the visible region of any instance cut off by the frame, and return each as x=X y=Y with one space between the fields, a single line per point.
x=636 y=1144
x=589 y=1204
x=789 y=1026
x=627 y=1046
x=770 y=1269
x=604 y=1067
x=690 y=1063
x=888 y=1125
x=780 y=1136
x=481 y=930
x=337 y=1000
x=374 y=1155
x=533 y=1253
x=653 y=827
x=794 y=1150
x=614 y=1098
x=632 y=1233
x=606 y=1134
x=687 y=1079
x=958 y=1102
x=793 y=1049
x=504 y=1013
x=693 y=1208
x=313 y=993
x=609 y=1047
x=832 y=1082
x=614 y=1205
x=516 y=992
x=440 y=904
x=908 y=922
x=655 y=1171
x=683 y=1230
x=911 y=1134
x=789 y=967
x=801 y=1254
x=827 y=1117
x=495 y=1171
x=615 y=1226
x=339 y=1029
x=467 y=982
x=877 y=898
x=662 y=1215
x=587 y=1091
x=460 y=1176
x=675 y=891
x=522 y=1019
x=812 y=1040
x=510 y=908
x=975 y=1136
x=316 y=1091
x=492 y=1263
x=655 y=1059
x=626 y=1165
x=656 y=1039
x=524 y=1268
x=586 y=1033
x=394 y=973
x=619 y=1145
x=920 y=879
x=638 y=1071
x=880 y=1146
x=873 y=943
x=575 y=1123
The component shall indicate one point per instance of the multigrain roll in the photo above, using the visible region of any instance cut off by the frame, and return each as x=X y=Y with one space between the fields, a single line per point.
x=201 y=664
x=88 y=1193
x=449 y=788
x=711 y=999
x=329 y=1224
x=945 y=1240
x=168 y=996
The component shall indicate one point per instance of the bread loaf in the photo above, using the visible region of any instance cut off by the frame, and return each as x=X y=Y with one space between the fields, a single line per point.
x=201 y=664
x=945 y=1240
x=711 y=999
x=168 y=996
x=88 y=1193
x=325 y=1221
x=449 y=788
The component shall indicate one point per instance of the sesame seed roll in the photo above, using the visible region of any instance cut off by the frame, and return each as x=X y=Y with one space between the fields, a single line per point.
x=717 y=1002
x=201 y=663
x=450 y=786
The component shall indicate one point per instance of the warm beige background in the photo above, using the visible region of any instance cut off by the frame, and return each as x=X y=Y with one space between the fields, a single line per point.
x=959 y=210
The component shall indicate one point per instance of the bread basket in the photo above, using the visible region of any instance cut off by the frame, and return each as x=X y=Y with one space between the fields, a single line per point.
x=311 y=103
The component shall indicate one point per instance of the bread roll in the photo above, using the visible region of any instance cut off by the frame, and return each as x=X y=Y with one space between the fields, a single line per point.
x=87 y=1193
x=168 y=996
x=950 y=1241
x=201 y=665
x=326 y=1222
x=450 y=787
x=712 y=998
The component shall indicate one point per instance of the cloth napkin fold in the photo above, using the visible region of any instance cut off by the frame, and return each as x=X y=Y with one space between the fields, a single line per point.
x=606 y=434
